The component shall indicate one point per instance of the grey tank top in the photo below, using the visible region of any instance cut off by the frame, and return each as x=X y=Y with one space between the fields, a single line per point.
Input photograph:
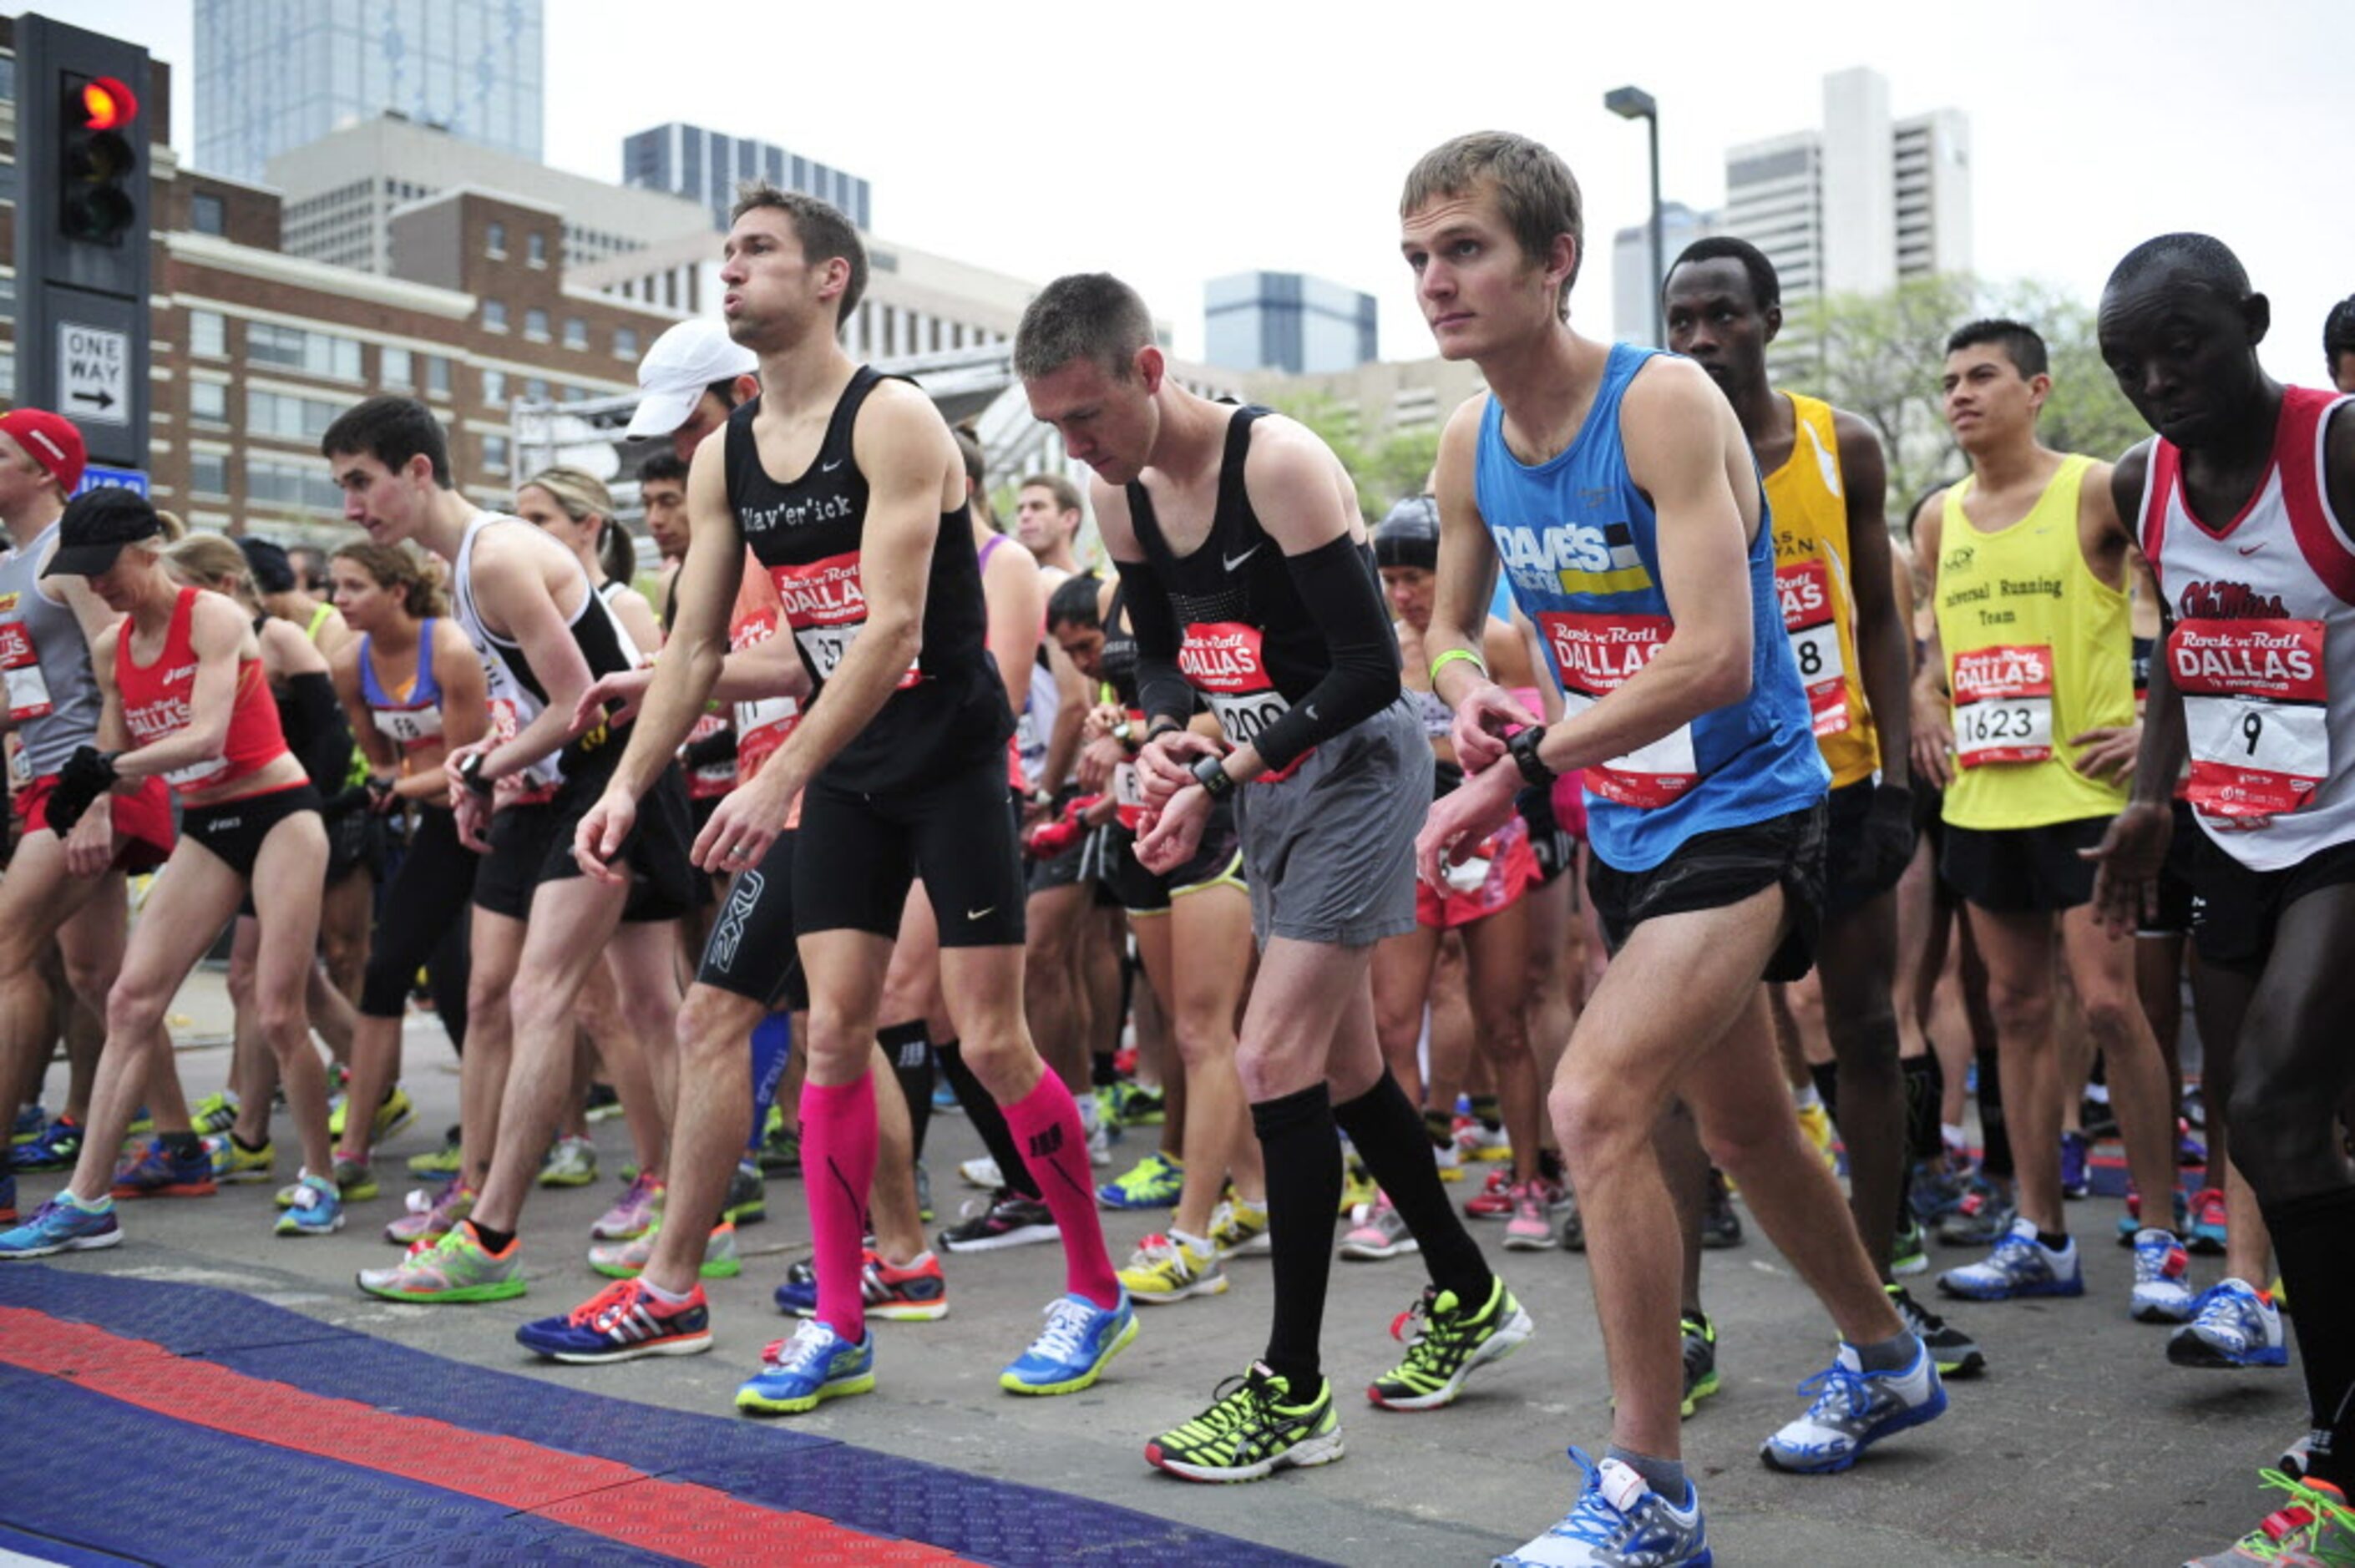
x=60 y=672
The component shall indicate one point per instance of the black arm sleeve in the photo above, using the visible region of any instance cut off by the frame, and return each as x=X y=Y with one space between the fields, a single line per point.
x=1161 y=691
x=712 y=749
x=1336 y=583
x=316 y=730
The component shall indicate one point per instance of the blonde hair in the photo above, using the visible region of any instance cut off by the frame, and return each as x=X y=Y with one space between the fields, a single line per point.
x=212 y=561
x=582 y=495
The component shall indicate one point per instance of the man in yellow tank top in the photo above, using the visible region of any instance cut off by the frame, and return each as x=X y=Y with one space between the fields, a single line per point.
x=1825 y=483
x=2023 y=710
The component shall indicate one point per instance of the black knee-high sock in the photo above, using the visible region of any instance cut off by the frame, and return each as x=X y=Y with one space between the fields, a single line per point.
x=1926 y=1085
x=2314 y=1237
x=989 y=1120
x=1303 y=1153
x=1997 y=1156
x=1388 y=1134
x=909 y=1049
x=1826 y=1075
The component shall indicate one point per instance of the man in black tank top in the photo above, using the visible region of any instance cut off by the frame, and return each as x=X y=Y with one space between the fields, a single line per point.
x=539 y=924
x=899 y=767
x=1248 y=579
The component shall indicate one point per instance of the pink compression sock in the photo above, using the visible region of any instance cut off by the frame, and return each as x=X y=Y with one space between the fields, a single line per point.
x=837 y=1168
x=1055 y=1147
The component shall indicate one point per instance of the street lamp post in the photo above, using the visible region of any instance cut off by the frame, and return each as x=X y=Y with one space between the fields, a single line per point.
x=1635 y=103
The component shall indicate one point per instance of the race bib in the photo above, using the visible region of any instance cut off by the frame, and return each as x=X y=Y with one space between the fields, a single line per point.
x=761 y=727
x=712 y=779
x=151 y=722
x=2003 y=705
x=1805 y=590
x=826 y=607
x=2255 y=698
x=20 y=665
x=1594 y=655
x=1128 y=784
x=1226 y=662
x=411 y=727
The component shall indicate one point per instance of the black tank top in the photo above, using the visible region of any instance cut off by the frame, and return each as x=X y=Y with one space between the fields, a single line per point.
x=1249 y=643
x=950 y=707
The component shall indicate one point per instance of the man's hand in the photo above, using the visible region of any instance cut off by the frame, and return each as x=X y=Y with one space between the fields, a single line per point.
x=747 y=822
x=89 y=848
x=1460 y=819
x=2108 y=755
x=1933 y=736
x=1166 y=766
x=2126 y=864
x=1484 y=715
x=1177 y=831
x=624 y=687
x=473 y=817
x=452 y=767
x=1097 y=760
x=602 y=833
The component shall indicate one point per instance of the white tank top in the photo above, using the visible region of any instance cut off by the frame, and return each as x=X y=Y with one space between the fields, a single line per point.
x=2262 y=649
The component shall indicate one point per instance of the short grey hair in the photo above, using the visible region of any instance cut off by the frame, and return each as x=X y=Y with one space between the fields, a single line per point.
x=1081 y=315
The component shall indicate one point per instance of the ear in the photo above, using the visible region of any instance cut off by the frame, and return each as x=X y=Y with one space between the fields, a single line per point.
x=1562 y=262
x=2040 y=388
x=746 y=387
x=419 y=468
x=2257 y=315
x=1150 y=368
x=1773 y=316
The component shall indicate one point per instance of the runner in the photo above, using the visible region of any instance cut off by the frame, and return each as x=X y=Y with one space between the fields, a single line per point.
x=1328 y=772
x=1824 y=484
x=543 y=636
x=186 y=701
x=49 y=631
x=2339 y=344
x=2245 y=503
x=2023 y=712
x=1619 y=491
x=904 y=763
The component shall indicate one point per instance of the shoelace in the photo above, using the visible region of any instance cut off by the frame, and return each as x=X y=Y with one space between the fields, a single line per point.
x=1433 y=1345
x=606 y=1306
x=1239 y=1402
x=807 y=1350
x=1066 y=1329
x=2307 y=1508
x=1837 y=1392
x=1593 y=1521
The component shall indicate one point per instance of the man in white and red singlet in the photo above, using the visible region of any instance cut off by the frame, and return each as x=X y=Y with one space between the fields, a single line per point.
x=2246 y=509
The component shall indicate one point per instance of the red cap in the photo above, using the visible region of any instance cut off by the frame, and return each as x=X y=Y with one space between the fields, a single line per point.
x=51 y=439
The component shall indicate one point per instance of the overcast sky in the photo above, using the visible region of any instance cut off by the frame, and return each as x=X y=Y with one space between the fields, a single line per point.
x=1171 y=144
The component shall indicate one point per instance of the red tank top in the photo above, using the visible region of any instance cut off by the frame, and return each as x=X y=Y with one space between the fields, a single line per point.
x=155 y=705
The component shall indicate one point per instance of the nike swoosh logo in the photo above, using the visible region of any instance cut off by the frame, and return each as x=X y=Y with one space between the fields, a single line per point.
x=2250 y=549
x=981 y=914
x=1234 y=561
x=829 y=467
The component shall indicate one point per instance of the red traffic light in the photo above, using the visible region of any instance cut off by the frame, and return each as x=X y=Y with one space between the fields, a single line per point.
x=107 y=105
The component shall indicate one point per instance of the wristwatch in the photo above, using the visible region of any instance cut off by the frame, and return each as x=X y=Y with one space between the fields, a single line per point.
x=1523 y=749
x=1124 y=732
x=469 y=773
x=1211 y=774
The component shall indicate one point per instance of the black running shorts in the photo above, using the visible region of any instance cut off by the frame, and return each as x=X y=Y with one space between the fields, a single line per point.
x=1712 y=870
x=750 y=950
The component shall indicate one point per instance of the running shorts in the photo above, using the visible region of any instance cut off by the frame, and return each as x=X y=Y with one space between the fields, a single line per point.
x=234 y=830
x=1712 y=870
x=858 y=853
x=1328 y=850
x=750 y=952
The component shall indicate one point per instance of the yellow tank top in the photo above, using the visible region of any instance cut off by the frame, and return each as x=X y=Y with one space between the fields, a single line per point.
x=2038 y=650
x=1809 y=502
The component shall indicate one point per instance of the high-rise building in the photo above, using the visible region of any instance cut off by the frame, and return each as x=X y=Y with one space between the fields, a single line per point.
x=1631 y=267
x=1286 y=321
x=706 y=167
x=1860 y=203
x=272 y=75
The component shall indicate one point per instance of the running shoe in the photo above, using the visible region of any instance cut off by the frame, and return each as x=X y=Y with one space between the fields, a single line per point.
x=1100 y=1132
x=354 y=1182
x=1071 y=1351
x=1532 y=1228
x=1854 y=1409
x=1935 y=1191
x=2095 y=1114
x=2294 y=1457
x=233 y=1162
x=1133 y=1104
x=1982 y=1218
x=2208 y=1229
x=1910 y=1254
x=1574 y=1223
x=2313 y=1530
x=1380 y=1232
x=1358 y=1186
x=1241 y=1229
x=923 y=1195
x=781 y=1145
x=431 y=1216
x=634 y=1214
x=815 y=1364
x=1005 y=1218
x=627 y=1260
x=143 y=1120
x=455 y=1268
x=150 y=1170
x=2020 y=1266
x=1700 y=1338
x=215 y=1112
x=747 y=1202
x=2130 y=1223
x=1494 y=1201
x=393 y=1113
x=620 y=1323
x=1720 y=1227
x=441 y=1164
x=916 y=1292
x=601 y=1103
x=1476 y=1140
x=1816 y=1123
x=2076 y=1156
x=9 y=1215
x=2162 y=1291
x=56 y=1148
x=315 y=1208
x=570 y=1162
x=1253 y=1427
x=1619 y=1522
x=982 y=1173
x=1953 y=1351
x=944 y=1100
x=1153 y=1182
x=1450 y=1160
x=2189 y=1152
x=1454 y=1342
x=2231 y=1327
x=1168 y=1268
x=62 y=1224
x=30 y=1119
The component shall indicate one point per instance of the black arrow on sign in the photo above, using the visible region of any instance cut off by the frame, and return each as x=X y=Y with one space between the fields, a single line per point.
x=105 y=399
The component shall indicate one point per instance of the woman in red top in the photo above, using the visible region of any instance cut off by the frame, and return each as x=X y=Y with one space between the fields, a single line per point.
x=187 y=698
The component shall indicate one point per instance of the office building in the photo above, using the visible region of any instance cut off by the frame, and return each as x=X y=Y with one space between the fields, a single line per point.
x=1285 y=321
x=706 y=167
x=1633 y=283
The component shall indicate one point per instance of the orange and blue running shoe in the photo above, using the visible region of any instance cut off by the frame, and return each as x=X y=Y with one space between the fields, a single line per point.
x=153 y=1171
x=620 y=1323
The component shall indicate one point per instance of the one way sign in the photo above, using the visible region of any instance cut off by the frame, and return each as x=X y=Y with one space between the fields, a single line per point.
x=93 y=374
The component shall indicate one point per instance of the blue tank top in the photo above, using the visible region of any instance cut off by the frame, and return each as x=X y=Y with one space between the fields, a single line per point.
x=1580 y=546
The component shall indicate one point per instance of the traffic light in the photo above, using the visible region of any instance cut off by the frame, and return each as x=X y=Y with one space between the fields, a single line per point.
x=98 y=148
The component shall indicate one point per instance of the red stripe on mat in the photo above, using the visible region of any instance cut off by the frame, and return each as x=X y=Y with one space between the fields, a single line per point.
x=601 y=1497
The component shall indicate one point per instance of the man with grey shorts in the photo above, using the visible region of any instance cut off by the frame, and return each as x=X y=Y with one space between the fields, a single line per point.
x=1249 y=582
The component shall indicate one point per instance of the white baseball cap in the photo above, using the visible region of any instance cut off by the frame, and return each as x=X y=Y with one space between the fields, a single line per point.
x=685 y=360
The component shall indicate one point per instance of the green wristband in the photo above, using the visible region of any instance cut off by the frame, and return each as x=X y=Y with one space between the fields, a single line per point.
x=1451 y=656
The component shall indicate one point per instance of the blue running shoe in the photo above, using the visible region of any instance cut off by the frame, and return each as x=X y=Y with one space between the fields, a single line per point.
x=1854 y=1409
x=2020 y=1266
x=2076 y=1154
x=1071 y=1350
x=1154 y=1182
x=798 y=1296
x=815 y=1364
x=1619 y=1522
x=2231 y=1326
x=7 y=1198
x=2130 y=1223
x=62 y=1225
x=620 y=1323
x=152 y=1170
x=56 y=1148
x=315 y=1208
x=30 y=1121
x=2162 y=1269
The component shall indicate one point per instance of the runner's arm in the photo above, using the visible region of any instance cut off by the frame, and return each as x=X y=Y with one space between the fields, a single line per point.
x=1884 y=642
x=770 y=669
x=1161 y=691
x=1018 y=617
x=1933 y=719
x=508 y=585
x=1071 y=714
x=465 y=709
x=1466 y=580
x=216 y=633
x=344 y=670
x=2166 y=744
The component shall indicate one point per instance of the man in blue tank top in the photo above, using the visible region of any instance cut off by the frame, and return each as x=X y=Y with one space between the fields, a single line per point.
x=1618 y=491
